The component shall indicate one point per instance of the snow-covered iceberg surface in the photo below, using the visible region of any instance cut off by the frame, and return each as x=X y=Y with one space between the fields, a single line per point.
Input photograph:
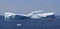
x=9 y=15
x=34 y=14
x=39 y=14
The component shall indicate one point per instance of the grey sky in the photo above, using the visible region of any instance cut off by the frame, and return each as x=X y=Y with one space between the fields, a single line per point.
x=27 y=6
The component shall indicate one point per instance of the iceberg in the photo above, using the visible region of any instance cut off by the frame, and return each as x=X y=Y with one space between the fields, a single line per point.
x=39 y=14
x=8 y=14
x=35 y=14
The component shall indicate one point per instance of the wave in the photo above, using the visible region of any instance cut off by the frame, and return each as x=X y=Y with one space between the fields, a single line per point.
x=34 y=14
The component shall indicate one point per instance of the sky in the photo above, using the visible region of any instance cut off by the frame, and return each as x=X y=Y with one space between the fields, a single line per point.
x=27 y=6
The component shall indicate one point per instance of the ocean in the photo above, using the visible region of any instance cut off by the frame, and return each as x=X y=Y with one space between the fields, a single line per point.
x=29 y=23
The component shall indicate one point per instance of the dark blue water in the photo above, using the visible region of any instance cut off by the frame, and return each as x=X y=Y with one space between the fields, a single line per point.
x=28 y=23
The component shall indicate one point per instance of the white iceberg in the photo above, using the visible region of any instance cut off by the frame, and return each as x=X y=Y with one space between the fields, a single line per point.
x=8 y=14
x=34 y=14
x=39 y=14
